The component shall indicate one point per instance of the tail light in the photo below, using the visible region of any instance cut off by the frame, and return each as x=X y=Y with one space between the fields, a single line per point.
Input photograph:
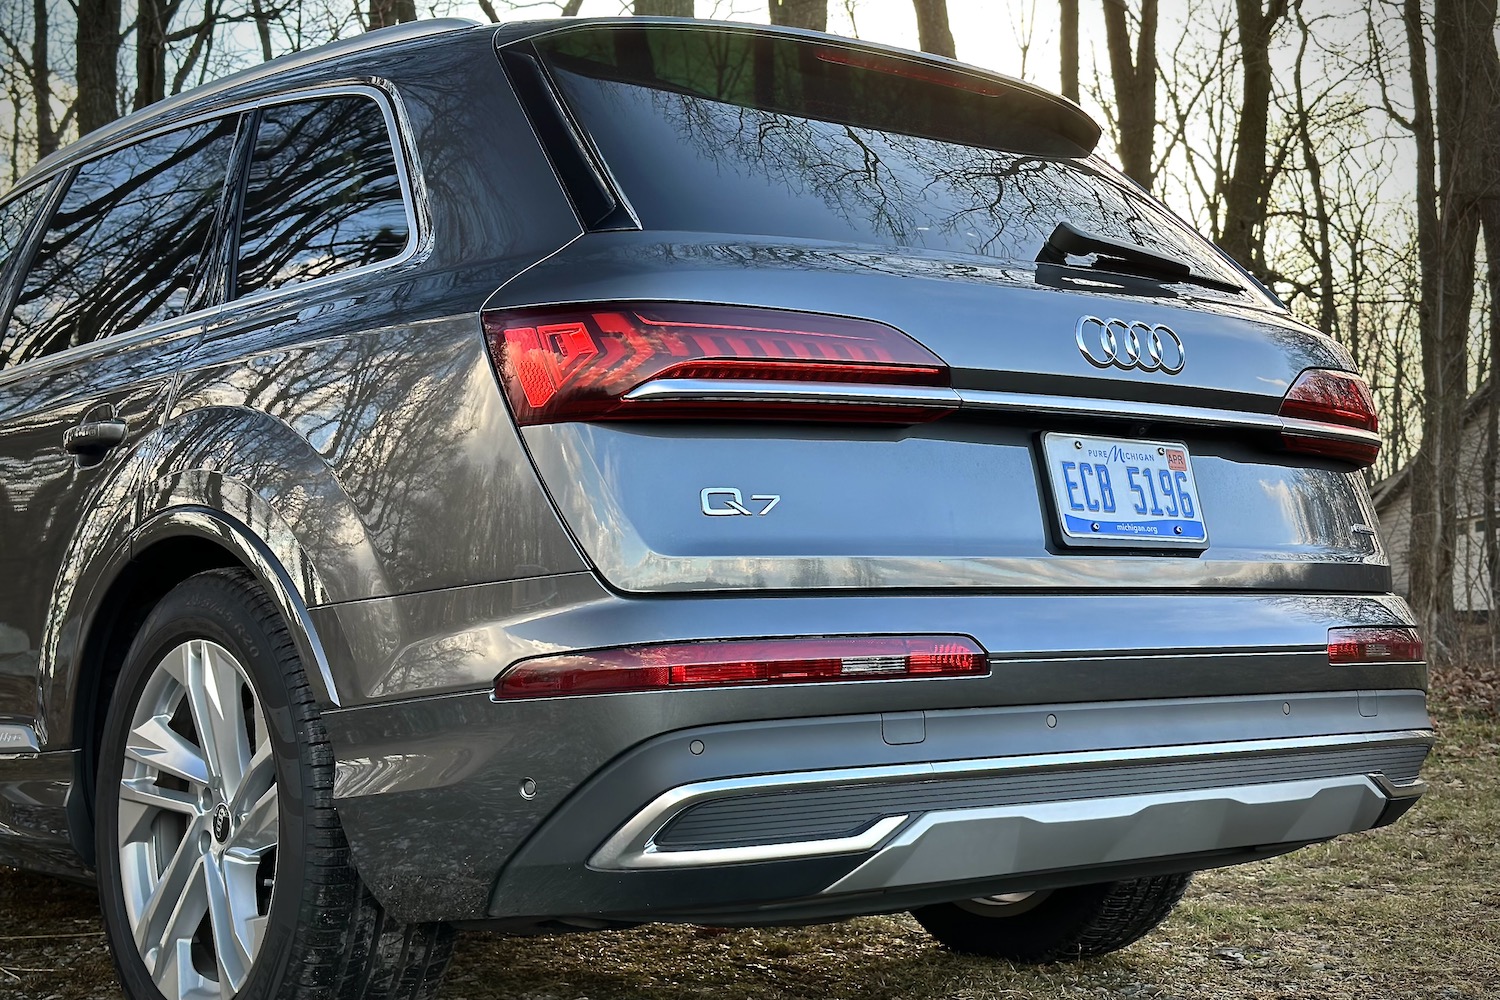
x=682 y=360
x=1373 y=644
x=1331 y=413
x=742 y=663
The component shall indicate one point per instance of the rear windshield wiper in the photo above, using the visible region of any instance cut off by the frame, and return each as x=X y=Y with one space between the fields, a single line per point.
x=1123 y=258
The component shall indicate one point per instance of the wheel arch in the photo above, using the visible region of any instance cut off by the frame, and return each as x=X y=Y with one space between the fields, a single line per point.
x=168 y=548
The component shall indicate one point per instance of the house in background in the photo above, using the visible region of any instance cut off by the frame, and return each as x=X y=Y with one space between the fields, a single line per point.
x=1392 y=495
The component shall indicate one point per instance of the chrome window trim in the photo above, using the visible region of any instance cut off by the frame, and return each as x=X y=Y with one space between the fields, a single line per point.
x=119 y=132
x=632 y=846
x=419 y=239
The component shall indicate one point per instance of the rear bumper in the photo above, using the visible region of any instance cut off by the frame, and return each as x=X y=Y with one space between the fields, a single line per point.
x=803 y=843
x=461 y=808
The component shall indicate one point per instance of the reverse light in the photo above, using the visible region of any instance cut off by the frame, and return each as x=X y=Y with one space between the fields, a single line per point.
x=586 y=362
x=1373 y=644
x=742 y=663
x=1336 y=400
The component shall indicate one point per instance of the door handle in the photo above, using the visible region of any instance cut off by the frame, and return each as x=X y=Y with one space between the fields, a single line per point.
x=95 y=437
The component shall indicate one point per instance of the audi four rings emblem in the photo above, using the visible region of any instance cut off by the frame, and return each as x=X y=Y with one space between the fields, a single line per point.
x=1106 y=342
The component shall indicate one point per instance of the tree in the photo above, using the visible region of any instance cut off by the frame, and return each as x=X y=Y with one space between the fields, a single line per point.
x=384 y=13
x=98 y=48
x=1135 y=87
x=800 y=13
x=933 y=32
x=664 y=8
x=1069 y=45
x=1454 y=176
x=1245 y=196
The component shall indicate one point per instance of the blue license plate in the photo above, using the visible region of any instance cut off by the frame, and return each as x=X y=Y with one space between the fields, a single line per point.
x=1122 y=492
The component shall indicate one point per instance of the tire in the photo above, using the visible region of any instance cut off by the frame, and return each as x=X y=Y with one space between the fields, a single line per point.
x=1055 y=925
x=217 y=843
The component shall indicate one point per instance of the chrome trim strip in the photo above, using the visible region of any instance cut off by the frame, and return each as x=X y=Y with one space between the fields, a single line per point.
x=781 y=391
x=653 y=857
x=16 y=738
x=1026 y=402
x=629 y=846
x=984 y=400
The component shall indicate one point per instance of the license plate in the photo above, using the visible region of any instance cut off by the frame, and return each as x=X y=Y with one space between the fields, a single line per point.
x=1121 y=492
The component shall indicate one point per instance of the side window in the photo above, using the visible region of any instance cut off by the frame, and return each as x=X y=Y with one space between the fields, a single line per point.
x=123 y=246
x=323 y=194
x=15 y=216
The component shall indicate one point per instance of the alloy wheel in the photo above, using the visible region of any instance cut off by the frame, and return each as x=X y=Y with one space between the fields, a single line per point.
x=198 y=823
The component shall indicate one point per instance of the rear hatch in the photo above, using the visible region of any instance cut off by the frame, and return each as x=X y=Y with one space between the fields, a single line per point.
x=849 y=319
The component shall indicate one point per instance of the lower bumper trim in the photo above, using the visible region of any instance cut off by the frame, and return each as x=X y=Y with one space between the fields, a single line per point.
x=968 y=844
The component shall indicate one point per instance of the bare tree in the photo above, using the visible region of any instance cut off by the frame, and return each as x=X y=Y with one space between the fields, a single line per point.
x=384 y=13
x=1245 y=196
x=1068 y=26
x=800 y=13
x=664 y=8
x=1135 y=87
x=933 y=32
x=98 y=48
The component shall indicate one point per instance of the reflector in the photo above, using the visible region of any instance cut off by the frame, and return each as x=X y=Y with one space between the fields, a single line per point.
x=740 y=662
x=1374 y=644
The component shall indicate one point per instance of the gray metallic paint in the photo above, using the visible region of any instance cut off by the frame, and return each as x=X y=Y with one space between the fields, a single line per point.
x=351 y=447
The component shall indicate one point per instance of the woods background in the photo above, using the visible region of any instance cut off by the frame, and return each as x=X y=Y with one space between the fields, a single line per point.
x=1346 y=151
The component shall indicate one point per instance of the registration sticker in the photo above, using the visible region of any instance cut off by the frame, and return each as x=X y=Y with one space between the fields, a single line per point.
x=1123 y=492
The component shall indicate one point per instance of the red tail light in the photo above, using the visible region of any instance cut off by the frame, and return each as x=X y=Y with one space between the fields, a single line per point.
x=1374 y=644
x=638 y=361
x=739 y=663
x=1338 y=401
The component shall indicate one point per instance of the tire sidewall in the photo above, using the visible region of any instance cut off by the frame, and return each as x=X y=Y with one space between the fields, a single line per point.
x=212 y=606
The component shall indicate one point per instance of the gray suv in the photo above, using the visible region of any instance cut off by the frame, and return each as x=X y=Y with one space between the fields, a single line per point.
x=563 y=475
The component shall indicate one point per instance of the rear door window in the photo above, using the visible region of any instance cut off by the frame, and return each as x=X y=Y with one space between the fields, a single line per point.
x=125 y=244
x=323 y=196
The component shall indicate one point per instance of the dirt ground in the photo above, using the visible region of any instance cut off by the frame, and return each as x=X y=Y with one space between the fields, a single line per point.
x=1412 y=911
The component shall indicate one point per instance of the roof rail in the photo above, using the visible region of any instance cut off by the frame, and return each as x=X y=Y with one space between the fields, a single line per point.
x=163 y=109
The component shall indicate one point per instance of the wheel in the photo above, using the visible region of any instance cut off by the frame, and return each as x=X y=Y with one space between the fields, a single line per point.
x=1055 y=925
x=222 y=868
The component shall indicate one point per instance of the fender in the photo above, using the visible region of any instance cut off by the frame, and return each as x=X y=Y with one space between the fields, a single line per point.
x=290 y=590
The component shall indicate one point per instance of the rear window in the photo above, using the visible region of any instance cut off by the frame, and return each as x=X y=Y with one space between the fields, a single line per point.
x=736 y=132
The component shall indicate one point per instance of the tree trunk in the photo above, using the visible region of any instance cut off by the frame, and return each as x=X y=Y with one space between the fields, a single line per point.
x=664 y=8
x=800 y=13
x=98 y=51
x=1454 y=175
x=1135 y=87
x=1245 y=196
x=41 y=81
x=384 y=13
x=932 y=28
x=1322 y=252
x=1069 y=44
x=151 y=51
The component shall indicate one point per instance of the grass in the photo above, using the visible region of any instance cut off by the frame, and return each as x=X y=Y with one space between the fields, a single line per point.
x=1411 y=911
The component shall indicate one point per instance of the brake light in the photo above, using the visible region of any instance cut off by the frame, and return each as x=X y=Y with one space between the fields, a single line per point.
x=682 y=360
x=1336 y=400
x=741 y=663
x=1373 y=644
